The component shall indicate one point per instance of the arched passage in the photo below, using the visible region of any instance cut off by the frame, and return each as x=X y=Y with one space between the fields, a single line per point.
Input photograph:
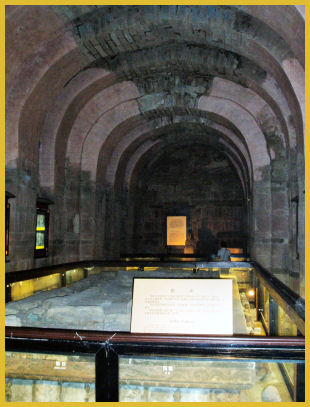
x=94 y=98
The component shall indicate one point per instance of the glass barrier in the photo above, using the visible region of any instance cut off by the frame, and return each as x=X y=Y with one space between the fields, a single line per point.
x=92 y=366
x=172 y=379
x=27 y=288
x=271 y=313
x=286 y=326
x=266 y=307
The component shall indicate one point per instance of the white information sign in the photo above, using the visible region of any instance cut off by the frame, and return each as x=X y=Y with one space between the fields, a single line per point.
x=182 y=306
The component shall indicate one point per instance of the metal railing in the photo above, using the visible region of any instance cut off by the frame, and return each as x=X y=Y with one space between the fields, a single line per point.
x=107 y=347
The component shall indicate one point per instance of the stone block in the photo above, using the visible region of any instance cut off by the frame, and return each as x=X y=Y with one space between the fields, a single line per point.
x=8 y=389
x=271 y=394
x=225 y=396
x=117 y=308
x=160 y=394
x=117 y=322
x=90 y=392
x=75 y=316
x=12 y=320
x=133 y=394
x=73 y=392
x=46 y=391
x=38 y=366
x=192 y=395
x=88 y=297
x=188 y=373
x=21 y=390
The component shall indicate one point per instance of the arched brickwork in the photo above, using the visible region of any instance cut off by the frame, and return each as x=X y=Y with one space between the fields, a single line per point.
x=94 y=92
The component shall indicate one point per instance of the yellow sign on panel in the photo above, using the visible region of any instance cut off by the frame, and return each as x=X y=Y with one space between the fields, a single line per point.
x=235 y=250
x=176 y=230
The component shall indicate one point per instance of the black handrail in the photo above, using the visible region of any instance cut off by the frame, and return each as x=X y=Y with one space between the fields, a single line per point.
x=69 y=340
x=292 y=303
x=107 y=347
x=15 y=334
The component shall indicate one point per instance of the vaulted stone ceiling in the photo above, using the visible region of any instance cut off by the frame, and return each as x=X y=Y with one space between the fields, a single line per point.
x=91 y=90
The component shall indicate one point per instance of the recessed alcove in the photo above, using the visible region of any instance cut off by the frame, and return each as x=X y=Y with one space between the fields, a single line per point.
x=197 y=181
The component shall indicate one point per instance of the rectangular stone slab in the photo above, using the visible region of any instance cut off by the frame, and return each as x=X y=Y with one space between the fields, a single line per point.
x=49 y=367
x=176 y=372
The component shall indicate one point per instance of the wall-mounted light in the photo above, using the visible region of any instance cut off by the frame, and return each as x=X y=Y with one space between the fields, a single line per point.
x=250 y=293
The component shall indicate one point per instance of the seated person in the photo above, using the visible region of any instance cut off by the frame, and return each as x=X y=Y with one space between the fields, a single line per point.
x=223 y=254
x=190 y=244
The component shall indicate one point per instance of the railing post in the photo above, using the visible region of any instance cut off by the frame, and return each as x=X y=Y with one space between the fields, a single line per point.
x=107 y=373
x=260 y=305
x=254 y=285
x=253 y=280
x=299 y=388
x=63 y=279
x=273 y=317
x=8 y=296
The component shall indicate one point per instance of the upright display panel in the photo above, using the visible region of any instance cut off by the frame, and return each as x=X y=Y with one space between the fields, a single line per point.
x=176 y=230
x=184 y=306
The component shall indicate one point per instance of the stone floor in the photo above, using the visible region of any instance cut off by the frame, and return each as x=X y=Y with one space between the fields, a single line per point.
x=100 y=302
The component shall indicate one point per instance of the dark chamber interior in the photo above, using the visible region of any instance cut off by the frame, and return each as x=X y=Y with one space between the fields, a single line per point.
x=195 y=181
